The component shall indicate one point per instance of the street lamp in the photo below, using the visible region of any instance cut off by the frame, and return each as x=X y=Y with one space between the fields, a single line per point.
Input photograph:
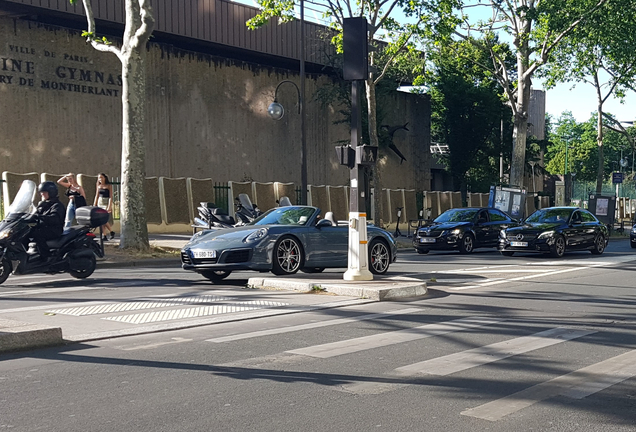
x=276 y=110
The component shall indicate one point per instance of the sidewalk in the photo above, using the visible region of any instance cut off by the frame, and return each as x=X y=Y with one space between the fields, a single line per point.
x=56 y=324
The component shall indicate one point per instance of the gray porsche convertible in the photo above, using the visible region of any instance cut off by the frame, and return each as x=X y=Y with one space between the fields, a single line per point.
x=283 y=241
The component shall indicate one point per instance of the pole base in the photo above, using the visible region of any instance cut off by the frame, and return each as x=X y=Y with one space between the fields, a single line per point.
x=358 y=275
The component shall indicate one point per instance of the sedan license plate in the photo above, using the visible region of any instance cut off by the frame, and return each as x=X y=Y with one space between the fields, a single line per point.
x=427 y=240
x=519 y=244
x=204 y=253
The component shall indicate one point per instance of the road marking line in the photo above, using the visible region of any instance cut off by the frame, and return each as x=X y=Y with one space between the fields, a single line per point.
x=310 y=326
x=578 y=384
x=158 y=344
x=391 y=338
x=461 y=288
x=194 y=312
x=491 y=353
x=126 y=306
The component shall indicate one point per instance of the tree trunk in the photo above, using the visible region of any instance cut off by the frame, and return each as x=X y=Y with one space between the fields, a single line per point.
x=599 y=142
x=520 y=132
x=374 y=141
x=134 y=231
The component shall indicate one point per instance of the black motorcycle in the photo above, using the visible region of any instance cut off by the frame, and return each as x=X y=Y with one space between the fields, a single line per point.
x=74 y=252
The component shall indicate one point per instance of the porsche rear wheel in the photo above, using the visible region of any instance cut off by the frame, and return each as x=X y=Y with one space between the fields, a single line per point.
x=215 y=276
x=288 y=256
x=379 y=257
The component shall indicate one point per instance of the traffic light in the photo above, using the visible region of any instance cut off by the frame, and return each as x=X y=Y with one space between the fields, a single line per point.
x=355 y=49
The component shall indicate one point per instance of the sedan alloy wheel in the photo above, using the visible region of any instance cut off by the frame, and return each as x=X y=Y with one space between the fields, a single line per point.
x=467 y=244
x=599 y=245
x=557 y=250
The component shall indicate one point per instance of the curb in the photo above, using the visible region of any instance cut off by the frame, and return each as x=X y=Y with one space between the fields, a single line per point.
x=378 y=290
x=18 y=336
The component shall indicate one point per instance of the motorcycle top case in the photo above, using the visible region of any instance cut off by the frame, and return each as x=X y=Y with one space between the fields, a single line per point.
x=91 y=216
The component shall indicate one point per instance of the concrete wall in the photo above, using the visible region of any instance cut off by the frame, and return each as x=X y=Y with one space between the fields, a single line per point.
x=206 y=116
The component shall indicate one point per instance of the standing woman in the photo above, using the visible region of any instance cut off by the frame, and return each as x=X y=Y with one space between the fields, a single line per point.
x=104 y=199
x=76 y=197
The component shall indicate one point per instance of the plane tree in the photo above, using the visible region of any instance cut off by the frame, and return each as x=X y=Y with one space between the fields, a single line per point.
x=131 y=53
x=601 y=54
x=535 y=28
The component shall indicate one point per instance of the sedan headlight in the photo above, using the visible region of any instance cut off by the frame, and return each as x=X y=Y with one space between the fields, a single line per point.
x=256 y=235
x=456 y=231
x=502 y=233
x=546 y=234
x=5 y=233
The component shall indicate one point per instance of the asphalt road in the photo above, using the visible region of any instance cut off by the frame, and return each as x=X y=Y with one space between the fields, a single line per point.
x=500 y=344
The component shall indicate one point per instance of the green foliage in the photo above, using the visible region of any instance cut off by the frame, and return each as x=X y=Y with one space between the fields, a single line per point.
x=467 y=111
x=583 y=148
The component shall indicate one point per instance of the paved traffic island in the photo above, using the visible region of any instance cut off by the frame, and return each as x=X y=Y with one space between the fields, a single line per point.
x=17 y=336
x=379 y=289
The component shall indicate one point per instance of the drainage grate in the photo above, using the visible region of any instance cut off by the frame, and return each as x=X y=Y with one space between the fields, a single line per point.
x=138 y=305
x=194 y=312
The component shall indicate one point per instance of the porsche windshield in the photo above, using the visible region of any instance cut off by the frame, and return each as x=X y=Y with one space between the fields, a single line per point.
x=554 y=215
x=285 y=216
x=457 y=215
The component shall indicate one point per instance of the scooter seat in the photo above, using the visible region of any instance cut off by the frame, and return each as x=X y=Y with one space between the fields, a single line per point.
x=67 y=235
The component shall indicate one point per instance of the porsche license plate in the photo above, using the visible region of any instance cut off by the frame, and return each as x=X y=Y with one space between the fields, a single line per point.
x=427 y=240
x=204 y=253
x=519 y=244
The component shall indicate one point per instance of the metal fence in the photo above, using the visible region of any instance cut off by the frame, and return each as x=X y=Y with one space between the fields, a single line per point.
x=222 y=196
x=582 y=190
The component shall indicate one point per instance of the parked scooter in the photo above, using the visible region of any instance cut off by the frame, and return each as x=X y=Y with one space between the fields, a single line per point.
x=245 y=211
x=74 y=252
x=212 y=217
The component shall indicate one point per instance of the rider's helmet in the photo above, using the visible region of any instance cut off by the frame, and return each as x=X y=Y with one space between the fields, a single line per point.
x=50 y=187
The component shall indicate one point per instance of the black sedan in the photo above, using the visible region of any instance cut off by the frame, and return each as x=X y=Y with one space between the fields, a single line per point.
x=632 y=237
x=463 y=229
x=554 y=231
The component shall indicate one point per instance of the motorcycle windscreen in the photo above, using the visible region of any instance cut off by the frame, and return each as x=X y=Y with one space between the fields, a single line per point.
x=23 y=201
x=245 y=201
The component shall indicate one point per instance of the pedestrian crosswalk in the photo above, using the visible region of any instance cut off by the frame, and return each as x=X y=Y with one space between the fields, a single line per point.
x=580 y=381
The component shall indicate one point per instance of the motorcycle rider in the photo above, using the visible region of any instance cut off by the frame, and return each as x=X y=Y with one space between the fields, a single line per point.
x=49 y=216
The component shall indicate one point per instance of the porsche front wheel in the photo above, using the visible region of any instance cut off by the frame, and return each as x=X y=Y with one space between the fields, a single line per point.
x=288 y=256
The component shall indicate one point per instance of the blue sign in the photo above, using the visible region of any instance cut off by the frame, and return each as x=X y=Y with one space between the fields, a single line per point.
x=617 y=177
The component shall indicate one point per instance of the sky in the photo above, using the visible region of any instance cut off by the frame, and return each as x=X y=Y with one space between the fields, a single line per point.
x=581 y=101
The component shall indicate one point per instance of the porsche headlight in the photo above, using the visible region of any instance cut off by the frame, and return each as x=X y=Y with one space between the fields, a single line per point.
x=5 y=233
x=546 y=234
x=256 y=235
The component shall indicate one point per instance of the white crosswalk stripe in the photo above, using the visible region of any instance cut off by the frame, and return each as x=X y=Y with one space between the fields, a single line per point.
x=391 y=338
x=578 y=384
x=483 y=355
